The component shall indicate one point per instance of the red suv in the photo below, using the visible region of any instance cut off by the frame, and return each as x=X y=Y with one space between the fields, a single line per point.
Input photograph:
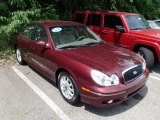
x=128 y=30
x=82 y=65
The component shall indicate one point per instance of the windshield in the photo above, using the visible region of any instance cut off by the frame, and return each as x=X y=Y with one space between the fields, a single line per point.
x=154 y=24
x=73 y=36
x=137 y=22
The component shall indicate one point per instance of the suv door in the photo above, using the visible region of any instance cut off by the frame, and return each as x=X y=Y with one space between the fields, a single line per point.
x=94 y=22
x=109 y=32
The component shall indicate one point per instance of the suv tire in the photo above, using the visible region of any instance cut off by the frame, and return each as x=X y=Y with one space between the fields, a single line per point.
x=148 y=55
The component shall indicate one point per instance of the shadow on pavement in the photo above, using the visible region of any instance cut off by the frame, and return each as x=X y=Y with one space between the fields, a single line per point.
x=45 y=78
x=124 y=106
x=156 y=68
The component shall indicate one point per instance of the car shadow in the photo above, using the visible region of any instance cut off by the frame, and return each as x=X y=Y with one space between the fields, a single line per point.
x=45 y=78
x=124 y=106
x=156 y=68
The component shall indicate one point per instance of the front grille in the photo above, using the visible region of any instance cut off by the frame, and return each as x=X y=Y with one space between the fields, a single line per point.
x=132 y=73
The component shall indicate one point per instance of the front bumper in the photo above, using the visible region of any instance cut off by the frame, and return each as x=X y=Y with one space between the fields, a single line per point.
x=113 y=95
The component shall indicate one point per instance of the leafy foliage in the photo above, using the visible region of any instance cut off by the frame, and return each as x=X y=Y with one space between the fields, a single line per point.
x=16 y=13
x=11 y=20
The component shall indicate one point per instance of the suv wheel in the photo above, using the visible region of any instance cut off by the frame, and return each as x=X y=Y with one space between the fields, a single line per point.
x=68 y=88
x=148 y=55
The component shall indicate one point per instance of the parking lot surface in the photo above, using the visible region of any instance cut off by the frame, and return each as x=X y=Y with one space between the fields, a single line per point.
x=27 y=95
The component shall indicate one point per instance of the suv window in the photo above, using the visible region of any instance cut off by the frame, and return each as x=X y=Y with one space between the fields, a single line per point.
x=136 y=22
x=40 y=34
x=94 y=19
x=28 y=32
x=111 y=21
x=79 y=18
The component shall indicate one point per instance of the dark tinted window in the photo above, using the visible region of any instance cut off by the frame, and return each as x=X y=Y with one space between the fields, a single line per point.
x=41 y=34
x=111 y=21
x=94 y=19
x=28 y=32
x=79 y=18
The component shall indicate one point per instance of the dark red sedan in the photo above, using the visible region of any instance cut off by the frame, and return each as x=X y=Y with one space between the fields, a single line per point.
x=82 y=65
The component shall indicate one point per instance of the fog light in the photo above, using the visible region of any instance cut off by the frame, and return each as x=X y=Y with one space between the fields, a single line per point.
x=110 y=101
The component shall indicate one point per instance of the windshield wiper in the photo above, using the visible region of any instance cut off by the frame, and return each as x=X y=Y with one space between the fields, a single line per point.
x=92 y=43
x=70 y=46
x=77 y=46
x=137 y=28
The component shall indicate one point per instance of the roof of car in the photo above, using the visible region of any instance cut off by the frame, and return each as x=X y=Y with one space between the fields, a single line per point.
x=122 y=13
x=153 y=20
x=56 y=23
x=111 y=12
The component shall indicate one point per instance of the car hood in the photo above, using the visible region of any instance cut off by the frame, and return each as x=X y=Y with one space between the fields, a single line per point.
x=153 y=33
x=105 y=57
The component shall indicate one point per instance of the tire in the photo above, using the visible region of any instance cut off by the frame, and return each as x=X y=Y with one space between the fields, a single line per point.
x=65 y=81
x=19 y=57
x=148 y=55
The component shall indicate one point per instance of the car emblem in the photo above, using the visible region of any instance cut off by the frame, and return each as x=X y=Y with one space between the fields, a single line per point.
x=135 y=72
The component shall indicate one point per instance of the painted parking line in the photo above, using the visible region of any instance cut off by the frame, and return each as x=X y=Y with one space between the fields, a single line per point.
x=42 y=95
x=154 y=77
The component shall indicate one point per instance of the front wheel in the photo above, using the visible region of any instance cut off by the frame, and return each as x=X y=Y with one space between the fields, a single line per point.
x=19 y=56
x=148 y=55
x=68 y=88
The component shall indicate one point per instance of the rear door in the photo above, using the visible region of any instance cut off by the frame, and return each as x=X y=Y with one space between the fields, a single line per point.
x=26 y=41
x=41 y=54
x=94 y=22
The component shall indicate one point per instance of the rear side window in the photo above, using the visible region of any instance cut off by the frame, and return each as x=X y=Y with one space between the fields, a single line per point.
x=79 y=18
x=41 y=34
x=94 y=19
x=28 y=32
x=111 y=21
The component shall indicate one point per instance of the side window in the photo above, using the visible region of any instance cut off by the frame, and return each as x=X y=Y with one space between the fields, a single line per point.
x=94 y=19
x=40 y=34
x=28 y=32
x=111 y=21
x=79 y=18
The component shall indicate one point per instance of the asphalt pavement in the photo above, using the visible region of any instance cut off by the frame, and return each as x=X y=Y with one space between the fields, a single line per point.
x=27 y=95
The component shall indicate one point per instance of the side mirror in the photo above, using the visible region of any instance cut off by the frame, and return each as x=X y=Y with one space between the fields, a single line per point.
x=120 y=29
x=42 y=44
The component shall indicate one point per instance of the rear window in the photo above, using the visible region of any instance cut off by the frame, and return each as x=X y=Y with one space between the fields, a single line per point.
x=94 y=19
x=79 y=18
x=28 y=32
x=111 y=21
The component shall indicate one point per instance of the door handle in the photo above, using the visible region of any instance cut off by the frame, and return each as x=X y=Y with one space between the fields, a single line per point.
x=104 y=32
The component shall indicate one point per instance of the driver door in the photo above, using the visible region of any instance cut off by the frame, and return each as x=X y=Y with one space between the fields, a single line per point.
x=40 y=58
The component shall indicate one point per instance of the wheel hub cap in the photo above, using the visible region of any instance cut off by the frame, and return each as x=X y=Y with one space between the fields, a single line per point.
x=66 y=87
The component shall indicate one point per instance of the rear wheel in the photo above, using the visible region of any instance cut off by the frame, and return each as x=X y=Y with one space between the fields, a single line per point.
x=148 y=55
x=19 y=56
x=68 y=88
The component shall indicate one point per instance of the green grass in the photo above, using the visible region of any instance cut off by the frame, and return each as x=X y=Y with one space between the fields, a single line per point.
x=7 y=55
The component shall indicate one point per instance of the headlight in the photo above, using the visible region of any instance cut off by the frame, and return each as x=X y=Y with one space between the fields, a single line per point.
x=104 y=80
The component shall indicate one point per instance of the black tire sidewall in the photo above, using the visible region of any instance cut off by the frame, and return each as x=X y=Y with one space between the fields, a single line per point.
x=148 y=56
